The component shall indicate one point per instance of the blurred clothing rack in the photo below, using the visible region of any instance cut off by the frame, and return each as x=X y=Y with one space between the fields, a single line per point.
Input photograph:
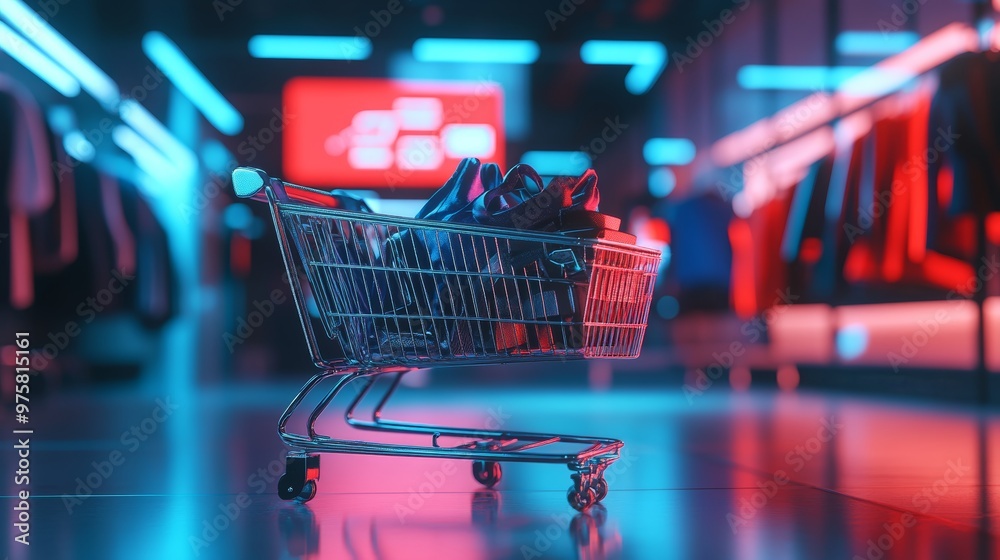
x=786 y=152
x=822 y=109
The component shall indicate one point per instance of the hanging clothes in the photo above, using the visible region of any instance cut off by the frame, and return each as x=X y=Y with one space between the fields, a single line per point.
x=841 y=199
x=153 y=297
x=54 y=232
x=801 y=245
x=29 y=183
x=65 y=289
x=29 y=175
x=122 y=235
x=700 y=252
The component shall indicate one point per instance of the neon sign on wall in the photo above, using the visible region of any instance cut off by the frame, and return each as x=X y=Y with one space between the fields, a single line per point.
x=372 y=133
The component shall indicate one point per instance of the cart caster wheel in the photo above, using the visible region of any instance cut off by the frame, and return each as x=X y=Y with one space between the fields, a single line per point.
x=579 y=499
x=299 y=481
x=287 y=488
x=487 y=473
x=601 y=489
x=308 y=492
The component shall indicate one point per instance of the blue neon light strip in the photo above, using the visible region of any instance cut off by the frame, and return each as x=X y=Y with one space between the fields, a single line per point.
x=857 y=80
x=875 y=43
x=147 y=157
x=495 y=51
x=93 y=80
x=140 y=119
x=77 y=146
x=557 y=163
x=756 y=76
x=310 y=47
x=647 y=58
x=668 y=151
x=192 y=83
x=39 y=64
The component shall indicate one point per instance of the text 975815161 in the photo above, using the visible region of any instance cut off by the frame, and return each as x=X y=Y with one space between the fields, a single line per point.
x=22 y=438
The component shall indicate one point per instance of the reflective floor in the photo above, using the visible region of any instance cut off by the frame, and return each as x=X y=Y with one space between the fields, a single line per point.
x=715 y=475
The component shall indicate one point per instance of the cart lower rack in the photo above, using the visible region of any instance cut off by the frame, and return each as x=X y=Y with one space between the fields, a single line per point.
x=396 y=294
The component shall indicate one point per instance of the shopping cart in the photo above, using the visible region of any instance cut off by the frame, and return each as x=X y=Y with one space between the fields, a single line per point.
x=395 y=294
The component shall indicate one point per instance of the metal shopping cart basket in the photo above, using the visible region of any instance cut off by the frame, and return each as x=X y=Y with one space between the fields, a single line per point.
x=396 y=294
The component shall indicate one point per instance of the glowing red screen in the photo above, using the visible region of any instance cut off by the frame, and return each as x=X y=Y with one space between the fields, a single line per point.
x=380 y=133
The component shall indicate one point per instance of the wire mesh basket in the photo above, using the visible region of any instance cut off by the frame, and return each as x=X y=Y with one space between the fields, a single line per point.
x=395 y=291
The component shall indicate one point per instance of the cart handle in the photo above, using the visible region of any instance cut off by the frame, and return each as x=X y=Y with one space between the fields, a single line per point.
x=250 y=182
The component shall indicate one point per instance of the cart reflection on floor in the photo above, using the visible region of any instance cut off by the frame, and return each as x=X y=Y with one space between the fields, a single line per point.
x=488 y=533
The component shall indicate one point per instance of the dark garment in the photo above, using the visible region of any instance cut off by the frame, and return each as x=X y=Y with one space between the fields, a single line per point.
x=965 y=124
x=27 y=186
x=700 y=252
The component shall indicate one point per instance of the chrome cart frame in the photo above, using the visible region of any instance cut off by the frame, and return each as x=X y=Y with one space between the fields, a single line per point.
x=396 y=294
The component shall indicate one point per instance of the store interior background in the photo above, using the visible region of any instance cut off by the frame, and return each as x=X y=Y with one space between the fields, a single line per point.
x=672 y=170
x=709 y=124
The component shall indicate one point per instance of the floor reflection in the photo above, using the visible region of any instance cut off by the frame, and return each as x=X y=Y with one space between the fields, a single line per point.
x=487 y=533
x=753 y=476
